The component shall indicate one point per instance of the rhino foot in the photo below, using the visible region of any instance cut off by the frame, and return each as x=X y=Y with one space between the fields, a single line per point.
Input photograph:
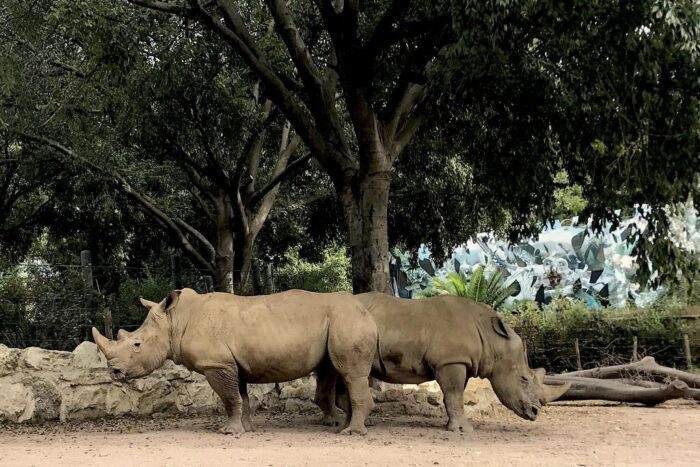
x=333 y=420
x=357 y=430
x=232 y=429
x=460 y=425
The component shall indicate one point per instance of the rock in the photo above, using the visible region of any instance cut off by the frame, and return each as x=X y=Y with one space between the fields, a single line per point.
x=9 y=359
x=298 y=392
x=300 y=405
x=391 y=395
x=88 y=355
x=14 y=401
x=46 y=400
x=35 y=358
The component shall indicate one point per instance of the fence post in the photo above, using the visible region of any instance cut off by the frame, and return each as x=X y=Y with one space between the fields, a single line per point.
x=257 y=280
x=578 y=355
x=176 y=270
x=86 y=269
x=270 y=280
x=108 y=324
x=527 y=358
x=686 y=350
x=635 y=354
x=209 y=283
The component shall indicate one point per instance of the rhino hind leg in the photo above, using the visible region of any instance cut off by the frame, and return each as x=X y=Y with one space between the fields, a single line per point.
x=352 y=341
x=452 y=379
x=224 y=381
x=325 y=398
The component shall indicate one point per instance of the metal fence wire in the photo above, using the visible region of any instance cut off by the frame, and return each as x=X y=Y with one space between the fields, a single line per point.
x=54 y=306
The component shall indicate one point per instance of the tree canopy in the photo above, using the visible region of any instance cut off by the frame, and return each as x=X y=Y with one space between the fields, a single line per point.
x=432 y=120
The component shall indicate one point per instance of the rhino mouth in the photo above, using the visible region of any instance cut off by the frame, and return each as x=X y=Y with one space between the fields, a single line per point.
x=118 y=375
x=529 y=413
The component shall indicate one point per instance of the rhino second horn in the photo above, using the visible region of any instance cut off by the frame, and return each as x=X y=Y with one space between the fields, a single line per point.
x=102 y=342
x=121 y=334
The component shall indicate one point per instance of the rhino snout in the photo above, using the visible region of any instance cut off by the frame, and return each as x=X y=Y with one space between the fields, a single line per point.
x=532 y=412
x=118 y=375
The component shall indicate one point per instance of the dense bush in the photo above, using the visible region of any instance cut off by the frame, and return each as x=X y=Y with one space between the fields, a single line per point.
x=41 y=305
x=605 y=336
x=332 y=274
x=124 y=305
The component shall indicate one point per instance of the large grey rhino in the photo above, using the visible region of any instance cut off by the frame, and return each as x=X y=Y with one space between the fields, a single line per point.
x=448 y=339
x=235 y=340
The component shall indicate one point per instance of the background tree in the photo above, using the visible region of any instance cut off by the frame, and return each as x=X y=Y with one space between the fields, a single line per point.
x=178 y=125
x=521 y=91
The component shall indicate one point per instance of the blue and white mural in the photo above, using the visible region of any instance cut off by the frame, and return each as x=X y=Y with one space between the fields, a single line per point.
x=565 y=260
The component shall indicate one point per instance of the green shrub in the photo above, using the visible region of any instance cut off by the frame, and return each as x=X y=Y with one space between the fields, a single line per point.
x=330 y=275
x=605 y=336
x=479 y=287
x=125 y=306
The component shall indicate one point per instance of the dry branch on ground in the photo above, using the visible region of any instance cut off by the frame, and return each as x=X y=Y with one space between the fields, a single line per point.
x=644 y=382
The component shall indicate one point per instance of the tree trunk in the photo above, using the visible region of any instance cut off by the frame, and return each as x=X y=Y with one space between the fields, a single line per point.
x=243 y=260
x=223 y=261
x=614 y=390
x=365 y=205
x=646 y=367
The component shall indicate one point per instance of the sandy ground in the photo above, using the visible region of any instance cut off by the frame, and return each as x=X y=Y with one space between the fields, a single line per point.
x=565 y=434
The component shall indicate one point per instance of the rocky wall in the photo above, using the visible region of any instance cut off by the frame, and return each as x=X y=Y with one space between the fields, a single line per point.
x=38 y=384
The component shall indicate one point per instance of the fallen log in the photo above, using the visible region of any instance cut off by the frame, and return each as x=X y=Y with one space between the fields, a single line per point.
x=646 y=368
x=583 y=388
x=693 y=393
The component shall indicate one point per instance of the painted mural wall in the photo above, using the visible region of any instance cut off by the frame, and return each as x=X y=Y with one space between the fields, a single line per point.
x=565 y=260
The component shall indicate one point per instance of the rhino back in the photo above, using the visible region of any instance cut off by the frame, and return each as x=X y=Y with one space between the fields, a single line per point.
x=418 y=336
x=271 y=338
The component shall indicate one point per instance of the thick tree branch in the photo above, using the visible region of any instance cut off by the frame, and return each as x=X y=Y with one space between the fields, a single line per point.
x=144 y=201
x=166 y=7
x=298 y=51
x=276 y=89
x=276 y=179
x=405 y=135
x=198 y=235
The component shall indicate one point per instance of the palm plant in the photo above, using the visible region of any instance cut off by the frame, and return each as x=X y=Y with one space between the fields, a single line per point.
x=480 y=288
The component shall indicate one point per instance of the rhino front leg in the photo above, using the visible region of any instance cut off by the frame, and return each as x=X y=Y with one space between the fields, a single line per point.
x=452 y=379
x=224 y=381
x=245 y=401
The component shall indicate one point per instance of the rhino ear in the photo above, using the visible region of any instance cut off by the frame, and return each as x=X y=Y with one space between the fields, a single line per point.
x=500 y=327
x=539 y=374
x=147 y=303
x=171 y=300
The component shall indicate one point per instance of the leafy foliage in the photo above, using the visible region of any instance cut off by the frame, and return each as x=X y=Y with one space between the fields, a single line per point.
x=605 y=336
x=329 y=275
x=478 y=287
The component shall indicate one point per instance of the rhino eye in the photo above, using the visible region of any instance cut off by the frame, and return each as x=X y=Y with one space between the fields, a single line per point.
x=137 y=344
x=524 y=379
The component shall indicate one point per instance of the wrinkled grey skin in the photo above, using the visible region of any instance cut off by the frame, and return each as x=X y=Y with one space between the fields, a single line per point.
x=236 y=340
x=448 y=339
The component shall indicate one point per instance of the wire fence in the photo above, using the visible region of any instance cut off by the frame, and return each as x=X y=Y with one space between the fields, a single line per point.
x=54 y=306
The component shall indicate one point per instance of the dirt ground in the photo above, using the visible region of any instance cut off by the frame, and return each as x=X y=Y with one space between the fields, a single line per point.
x=565 y=434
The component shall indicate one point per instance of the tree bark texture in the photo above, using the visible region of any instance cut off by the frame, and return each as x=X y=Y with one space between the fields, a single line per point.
x=613 y=390
x=365 y=208
x=646 y=368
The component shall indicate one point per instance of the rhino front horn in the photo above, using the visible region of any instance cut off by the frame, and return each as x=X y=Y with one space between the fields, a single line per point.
x=553 y=392
x=102 y=342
